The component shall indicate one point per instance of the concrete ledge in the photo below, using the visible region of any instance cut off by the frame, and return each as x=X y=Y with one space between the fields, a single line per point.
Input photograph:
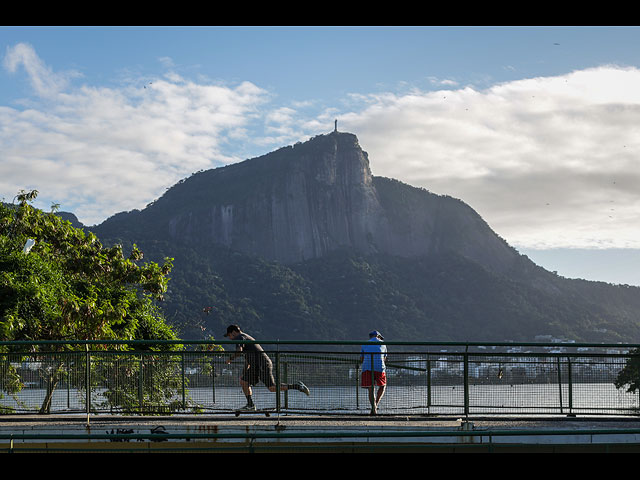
x=290 y=433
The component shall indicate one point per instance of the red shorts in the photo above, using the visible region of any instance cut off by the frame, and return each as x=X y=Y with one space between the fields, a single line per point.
x=380 y=378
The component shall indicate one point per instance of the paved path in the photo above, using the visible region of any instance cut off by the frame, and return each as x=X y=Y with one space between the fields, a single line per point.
x=261 y=431
x=8 y=422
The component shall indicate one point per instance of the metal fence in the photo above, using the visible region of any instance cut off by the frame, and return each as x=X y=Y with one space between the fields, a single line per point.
x=422 y=378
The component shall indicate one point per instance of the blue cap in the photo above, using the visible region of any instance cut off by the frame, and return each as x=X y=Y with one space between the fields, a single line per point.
x=376 y=333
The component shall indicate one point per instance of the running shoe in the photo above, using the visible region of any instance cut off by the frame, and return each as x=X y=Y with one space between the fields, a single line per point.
x=303 y=388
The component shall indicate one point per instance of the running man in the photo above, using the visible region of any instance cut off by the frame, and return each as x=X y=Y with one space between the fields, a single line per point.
x=257 y=367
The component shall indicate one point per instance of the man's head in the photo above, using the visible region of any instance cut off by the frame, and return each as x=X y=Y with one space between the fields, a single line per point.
x=232 y=331
x=376 y=334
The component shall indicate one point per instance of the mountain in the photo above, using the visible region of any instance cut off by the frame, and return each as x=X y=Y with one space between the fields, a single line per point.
x=71 y=218
x=305 y=243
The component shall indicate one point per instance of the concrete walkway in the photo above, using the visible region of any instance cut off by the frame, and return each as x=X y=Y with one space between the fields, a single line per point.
x=256 y=433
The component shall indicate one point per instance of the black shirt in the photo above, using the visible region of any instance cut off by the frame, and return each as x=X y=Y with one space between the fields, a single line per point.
x=253 y=352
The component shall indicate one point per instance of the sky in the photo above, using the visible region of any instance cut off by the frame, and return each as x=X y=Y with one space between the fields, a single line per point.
x=536 y=128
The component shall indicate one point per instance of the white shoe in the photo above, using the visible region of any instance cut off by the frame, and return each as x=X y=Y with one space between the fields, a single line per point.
x=303 y=388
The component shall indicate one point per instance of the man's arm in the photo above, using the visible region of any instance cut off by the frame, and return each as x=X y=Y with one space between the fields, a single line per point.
x=235 y=354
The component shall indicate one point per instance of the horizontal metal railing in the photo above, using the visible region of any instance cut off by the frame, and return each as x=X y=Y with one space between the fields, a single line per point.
x=605 y=439
x=424 y=378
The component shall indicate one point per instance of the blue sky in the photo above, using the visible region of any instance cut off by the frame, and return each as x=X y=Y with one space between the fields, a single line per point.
x=535 y=127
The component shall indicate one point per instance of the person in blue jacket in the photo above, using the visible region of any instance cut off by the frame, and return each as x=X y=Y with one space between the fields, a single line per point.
x=373 y=356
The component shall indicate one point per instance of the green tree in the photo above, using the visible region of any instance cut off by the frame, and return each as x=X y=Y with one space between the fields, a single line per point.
x=629 y=376
x=59 y=283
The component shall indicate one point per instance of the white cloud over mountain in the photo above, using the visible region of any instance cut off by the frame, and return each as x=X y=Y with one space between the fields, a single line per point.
x=548 y=162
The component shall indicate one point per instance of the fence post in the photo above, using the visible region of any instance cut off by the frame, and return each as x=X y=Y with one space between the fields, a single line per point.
x=140 y=384
x=428 y=382
x=560 y=383
x=358 y=387
x=466 y=380
x=69 y=374
x=278 y=379
x=286 y=380
x=184 y=393
x=372 y=374
x=570 y=386
x=213 y=380
x=88 y=382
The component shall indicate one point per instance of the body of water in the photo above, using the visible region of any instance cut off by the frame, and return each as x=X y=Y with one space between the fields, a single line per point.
x=586 y=398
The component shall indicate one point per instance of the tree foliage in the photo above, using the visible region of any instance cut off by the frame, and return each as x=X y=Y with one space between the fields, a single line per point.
x=59 y=283
x=629 y=376
x=69 y=287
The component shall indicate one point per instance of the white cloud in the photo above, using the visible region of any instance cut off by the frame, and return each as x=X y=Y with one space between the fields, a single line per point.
x=167 y=62
x=45 y=82
x=98 y=151
x=442 y=82
x=537 y=158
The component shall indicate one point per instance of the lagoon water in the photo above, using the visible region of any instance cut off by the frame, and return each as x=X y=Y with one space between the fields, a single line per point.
x=586 y=398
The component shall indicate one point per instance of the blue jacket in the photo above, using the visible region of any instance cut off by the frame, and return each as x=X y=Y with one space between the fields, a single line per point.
x=376 y=350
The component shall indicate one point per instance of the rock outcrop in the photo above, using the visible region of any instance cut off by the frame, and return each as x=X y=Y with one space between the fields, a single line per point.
x=304 y=201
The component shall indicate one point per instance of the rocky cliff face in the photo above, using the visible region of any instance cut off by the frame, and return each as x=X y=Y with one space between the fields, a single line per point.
x=319 y=198
x=303 y=201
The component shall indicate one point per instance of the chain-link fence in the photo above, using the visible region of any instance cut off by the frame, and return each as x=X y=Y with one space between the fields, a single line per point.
x=422 y=378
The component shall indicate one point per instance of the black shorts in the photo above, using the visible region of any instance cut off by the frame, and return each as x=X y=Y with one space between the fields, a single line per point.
x=260 y=371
